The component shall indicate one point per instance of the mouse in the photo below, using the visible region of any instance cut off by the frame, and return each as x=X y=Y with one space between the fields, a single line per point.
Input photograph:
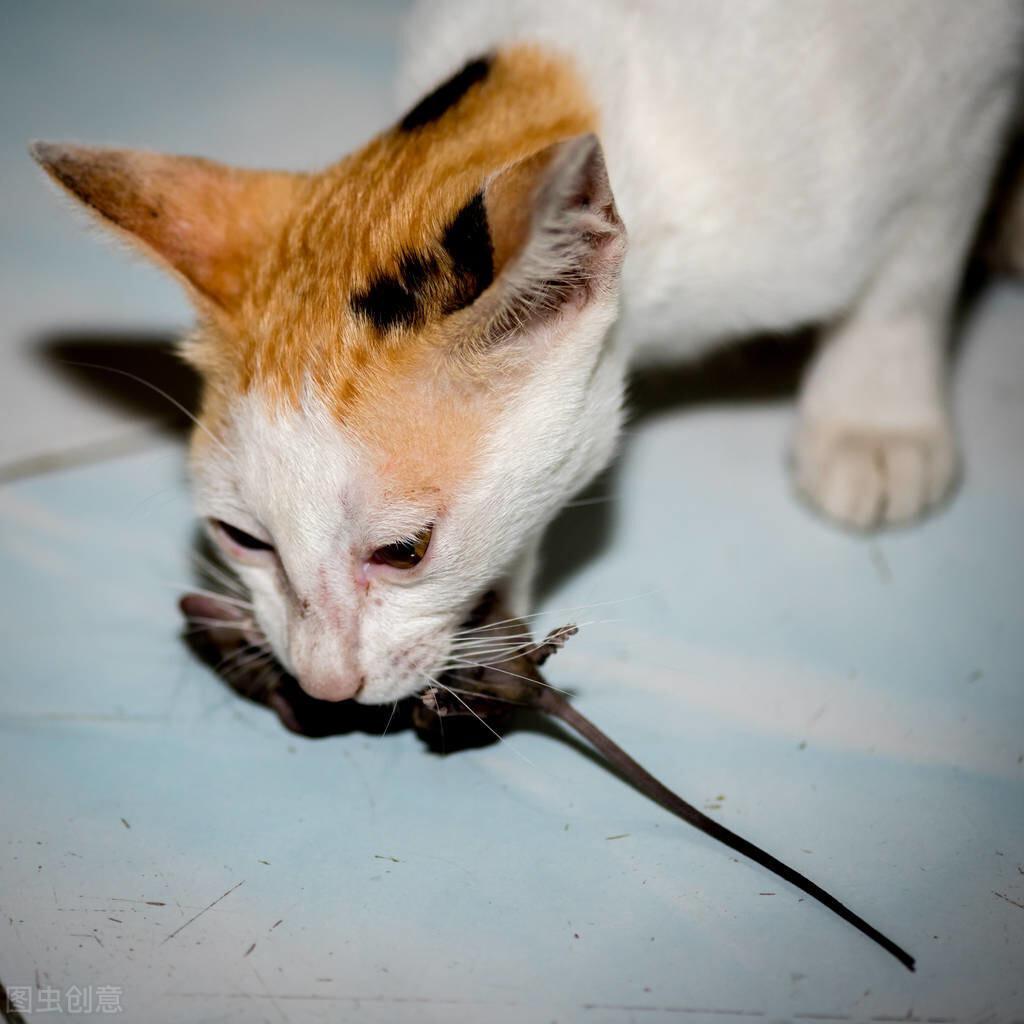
x=484 y=695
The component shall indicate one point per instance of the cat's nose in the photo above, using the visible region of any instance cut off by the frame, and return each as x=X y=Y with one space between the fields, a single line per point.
x=333 y=686
x=325 y=662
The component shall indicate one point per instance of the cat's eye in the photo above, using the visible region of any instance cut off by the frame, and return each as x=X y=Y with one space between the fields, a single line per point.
x=241 y=538
x=404 y=554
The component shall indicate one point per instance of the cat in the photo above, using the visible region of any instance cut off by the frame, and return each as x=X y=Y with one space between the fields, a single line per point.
x=413 y=358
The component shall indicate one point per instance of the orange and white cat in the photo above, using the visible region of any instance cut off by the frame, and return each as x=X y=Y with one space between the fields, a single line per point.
x=413 y=358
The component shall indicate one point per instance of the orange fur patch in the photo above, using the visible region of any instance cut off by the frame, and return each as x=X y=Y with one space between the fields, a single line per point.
x=353 y=223
x=357 y=219
x=292 y=272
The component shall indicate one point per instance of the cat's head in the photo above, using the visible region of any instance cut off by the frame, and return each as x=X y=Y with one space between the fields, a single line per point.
x=406 y=373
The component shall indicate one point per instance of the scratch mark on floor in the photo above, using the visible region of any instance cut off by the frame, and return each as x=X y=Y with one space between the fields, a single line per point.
x=209 y=906
x=270 y=996
x=1008 y=900
x=627 y=1007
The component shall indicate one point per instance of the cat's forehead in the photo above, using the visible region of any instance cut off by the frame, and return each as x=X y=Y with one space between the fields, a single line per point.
x=409 y=444
x=381 y=249
x=375 y=248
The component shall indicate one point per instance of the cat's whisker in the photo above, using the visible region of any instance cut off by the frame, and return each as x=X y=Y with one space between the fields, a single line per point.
x=501 y=652
x=490 y=658
x=212 y=623
x=220 y=574
x=554 y=612
x=480 y=696
x=585 y=502
x=233 y=657
x=160 y=391
x=509 y=645
x=474 y=637
x=485 y=724
x=440 y=718
x=264 y=682
x=214 y=595
x=248 y=664
x=209 y=626
x=391 y=717
x=514 y=639
x=506 y=672
x=239 y=653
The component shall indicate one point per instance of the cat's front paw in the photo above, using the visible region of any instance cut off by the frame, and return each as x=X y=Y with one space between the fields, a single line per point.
x=864 y=476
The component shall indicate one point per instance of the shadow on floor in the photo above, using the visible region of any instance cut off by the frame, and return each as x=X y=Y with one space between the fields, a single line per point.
x=128 y=370
x=121 y=369
x=752 y=372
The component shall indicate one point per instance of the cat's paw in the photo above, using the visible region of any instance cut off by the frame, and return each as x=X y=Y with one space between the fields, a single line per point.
x=866 y=476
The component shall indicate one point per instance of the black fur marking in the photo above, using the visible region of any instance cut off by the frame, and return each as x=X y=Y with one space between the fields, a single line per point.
x=467 y=240
x=446 y=95
x=422 y=282
x=396 y=301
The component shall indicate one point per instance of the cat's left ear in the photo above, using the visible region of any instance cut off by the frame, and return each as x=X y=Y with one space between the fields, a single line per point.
x=557 y=236
x=201 y=219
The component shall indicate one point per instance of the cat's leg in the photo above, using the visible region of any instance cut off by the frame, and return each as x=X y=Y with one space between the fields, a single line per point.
x=874 y=441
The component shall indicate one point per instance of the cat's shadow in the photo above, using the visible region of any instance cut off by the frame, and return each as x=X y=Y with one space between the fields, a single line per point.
x=121 y=368
x=757 y=371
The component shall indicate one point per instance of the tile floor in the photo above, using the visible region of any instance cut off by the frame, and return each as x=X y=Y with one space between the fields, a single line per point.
x=854 y=705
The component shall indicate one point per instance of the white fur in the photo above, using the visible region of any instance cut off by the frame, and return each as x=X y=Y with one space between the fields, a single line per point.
x=775 y=164
x=298 y=478
x=785 y=162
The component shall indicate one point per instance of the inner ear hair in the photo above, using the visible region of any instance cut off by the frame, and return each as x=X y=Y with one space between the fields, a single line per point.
x=558 y=238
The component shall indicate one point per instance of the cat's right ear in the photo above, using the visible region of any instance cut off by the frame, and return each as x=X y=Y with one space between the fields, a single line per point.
x=202 y=220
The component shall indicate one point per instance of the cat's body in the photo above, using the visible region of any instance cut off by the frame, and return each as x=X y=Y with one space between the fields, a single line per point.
x=765 y=156
x=779 y=164
x=410 y=359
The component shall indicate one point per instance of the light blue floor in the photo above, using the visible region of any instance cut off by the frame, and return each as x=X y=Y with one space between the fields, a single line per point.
x=855 y=706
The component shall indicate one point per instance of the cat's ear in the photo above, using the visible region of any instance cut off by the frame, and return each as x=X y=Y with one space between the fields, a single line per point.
x=557 y=236
x=201 y=219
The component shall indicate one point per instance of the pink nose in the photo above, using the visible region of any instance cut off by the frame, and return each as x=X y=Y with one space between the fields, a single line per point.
x=332 y=687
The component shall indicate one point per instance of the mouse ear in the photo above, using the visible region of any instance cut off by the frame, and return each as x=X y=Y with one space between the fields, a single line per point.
x=202 y=219
x=557 y=236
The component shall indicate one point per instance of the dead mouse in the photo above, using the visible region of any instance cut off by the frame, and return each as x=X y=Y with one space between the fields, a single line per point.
x=487 y=694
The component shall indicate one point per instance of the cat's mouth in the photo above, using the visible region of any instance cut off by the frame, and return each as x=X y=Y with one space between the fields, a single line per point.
x=225 y=637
